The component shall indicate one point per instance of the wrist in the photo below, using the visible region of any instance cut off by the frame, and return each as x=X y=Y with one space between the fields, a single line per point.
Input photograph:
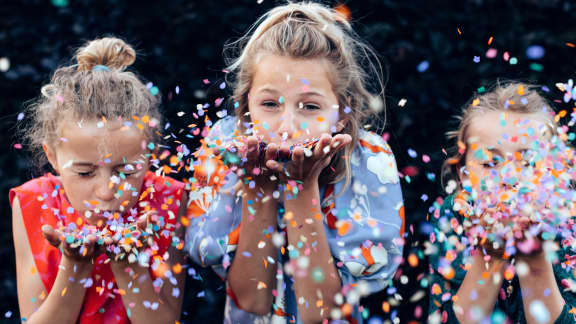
x=537 y=263
x=79 y=268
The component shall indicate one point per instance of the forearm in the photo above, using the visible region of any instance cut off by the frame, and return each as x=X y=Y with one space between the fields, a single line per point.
x=319 y=282
x=66 y=293
x=479 y=289
x=252 y=276
x=540 y=285
x=136 y=288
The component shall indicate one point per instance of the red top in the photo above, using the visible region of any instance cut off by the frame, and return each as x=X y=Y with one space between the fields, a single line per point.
x=43 y=201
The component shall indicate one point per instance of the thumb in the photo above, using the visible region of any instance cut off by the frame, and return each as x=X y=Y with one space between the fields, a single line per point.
x=51 y=235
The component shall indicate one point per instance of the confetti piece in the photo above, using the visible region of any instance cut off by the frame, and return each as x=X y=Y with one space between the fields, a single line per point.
x=402 y=102
x=423 y=66
x=4 y=64
x=535 y=52
x=539 y=311
x=491 y=53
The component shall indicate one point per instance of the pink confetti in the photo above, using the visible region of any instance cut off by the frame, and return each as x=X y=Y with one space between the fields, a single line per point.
x=491 y=53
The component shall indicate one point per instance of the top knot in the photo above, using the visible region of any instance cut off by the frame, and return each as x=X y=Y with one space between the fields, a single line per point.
x=108 y=51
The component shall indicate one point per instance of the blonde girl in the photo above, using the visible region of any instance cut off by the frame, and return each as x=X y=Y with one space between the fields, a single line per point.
x=308 y=207
x=98 y=240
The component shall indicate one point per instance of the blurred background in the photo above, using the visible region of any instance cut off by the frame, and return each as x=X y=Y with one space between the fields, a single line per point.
x=437 y=54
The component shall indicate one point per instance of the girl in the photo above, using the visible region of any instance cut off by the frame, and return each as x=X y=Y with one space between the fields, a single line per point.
x=100 y=241
x=513 y=171
x=309 y=204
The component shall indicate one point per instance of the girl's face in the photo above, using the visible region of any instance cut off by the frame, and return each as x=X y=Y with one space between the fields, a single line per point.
x=101 y=166
x=292 y=99
x=498 y=140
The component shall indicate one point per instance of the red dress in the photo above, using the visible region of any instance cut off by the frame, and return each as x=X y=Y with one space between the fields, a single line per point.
x=43 y=201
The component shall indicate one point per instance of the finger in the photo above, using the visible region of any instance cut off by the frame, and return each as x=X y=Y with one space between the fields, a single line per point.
x=51 y=235
x=271 y=152
x=340 y=141
x=142 y=222
x=298 y=156
x=252 y=150
x=323 y=146
x=284 y=153
x=274 y=166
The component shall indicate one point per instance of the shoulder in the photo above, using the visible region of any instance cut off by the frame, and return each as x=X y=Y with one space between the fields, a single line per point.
x=223 y=129
x=36 y=190
x=373 y=155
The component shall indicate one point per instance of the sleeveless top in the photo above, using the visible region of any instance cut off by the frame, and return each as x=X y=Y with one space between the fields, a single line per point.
x=43 y=202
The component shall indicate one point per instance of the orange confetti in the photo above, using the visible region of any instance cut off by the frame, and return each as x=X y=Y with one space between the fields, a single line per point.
x=344 y=227
x=386 y=307
x=475 y=102
x=490 y=40
x=177 y=268
x=413 y=260
x=64 y=291
x=459 y=31
x=570 y=45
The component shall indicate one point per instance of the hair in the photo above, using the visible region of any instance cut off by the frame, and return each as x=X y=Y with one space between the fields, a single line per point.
x=79 y=91
x=313 y=31
x=508 y=96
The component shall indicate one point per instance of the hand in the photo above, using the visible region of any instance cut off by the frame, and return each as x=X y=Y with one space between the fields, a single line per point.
x=307 y=164
x=130 y=244
x=252 y=166
x=78 y=249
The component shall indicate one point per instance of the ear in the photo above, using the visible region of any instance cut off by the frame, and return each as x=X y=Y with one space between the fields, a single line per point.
x=51 y=155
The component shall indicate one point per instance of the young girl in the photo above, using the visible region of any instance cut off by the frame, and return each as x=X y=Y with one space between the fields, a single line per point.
x=100 y=241
x=309 y=204
x=495 y=258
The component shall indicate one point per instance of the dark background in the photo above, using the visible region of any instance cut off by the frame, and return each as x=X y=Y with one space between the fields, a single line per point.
x=180 y=44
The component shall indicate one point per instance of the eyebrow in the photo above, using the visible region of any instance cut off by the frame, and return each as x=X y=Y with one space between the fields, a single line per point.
x=307 y=93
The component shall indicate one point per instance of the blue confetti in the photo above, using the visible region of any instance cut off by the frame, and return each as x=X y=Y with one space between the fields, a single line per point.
x=423 y=66
x=535 y=52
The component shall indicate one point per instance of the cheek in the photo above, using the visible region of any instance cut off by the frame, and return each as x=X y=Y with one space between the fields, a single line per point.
x=78 y=191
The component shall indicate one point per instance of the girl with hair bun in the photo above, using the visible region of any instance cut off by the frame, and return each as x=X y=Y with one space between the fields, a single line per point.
x=98 y=241
x=297 y=207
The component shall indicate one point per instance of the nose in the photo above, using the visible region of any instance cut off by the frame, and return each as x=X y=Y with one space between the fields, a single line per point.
x=287 y=125
x=105 y=188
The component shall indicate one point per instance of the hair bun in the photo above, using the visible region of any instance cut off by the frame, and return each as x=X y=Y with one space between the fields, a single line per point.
x=109 y=51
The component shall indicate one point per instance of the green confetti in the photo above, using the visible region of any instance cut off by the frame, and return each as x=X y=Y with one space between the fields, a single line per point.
x=60 y=3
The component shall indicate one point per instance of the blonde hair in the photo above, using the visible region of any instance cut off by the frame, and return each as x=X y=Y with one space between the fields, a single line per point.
x=81 y=91
x=310 y=30
x=509 y=96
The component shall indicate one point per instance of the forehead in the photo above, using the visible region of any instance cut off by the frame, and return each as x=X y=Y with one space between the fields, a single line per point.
x=288 y=71
x=506 y=131
x=95 y=140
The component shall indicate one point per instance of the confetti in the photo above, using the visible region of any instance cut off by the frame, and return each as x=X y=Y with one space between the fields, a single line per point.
x=423 y=66
x=4 y=64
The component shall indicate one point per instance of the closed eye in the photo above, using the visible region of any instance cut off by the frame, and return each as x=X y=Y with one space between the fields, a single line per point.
x=270 y=104
x=86 y=174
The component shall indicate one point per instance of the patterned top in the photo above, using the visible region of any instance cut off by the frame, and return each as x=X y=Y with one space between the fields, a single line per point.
x=43 y=201
x=363 y=225
x=447 y=268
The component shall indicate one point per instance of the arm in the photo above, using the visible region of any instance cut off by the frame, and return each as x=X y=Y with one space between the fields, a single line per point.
x=308 y=224
x=479 y=288
x=251 y=277
x=540 y=285
x=64 y=294
x=305 y=224
x=130 y=277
